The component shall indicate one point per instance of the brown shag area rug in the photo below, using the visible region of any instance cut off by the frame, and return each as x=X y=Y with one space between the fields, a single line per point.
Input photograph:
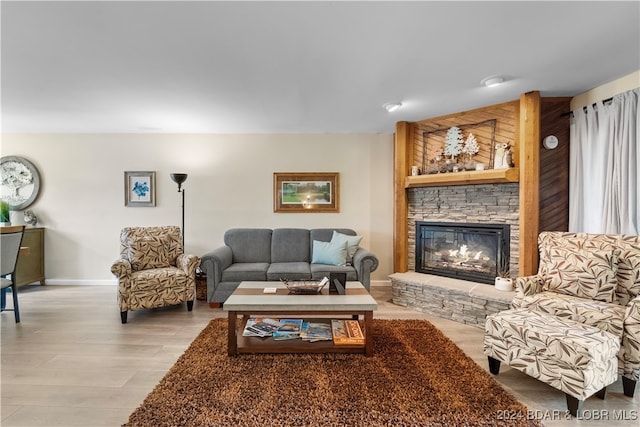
x=417 y=377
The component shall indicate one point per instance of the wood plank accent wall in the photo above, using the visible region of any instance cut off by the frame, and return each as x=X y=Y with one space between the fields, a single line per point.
x=543 y=173
x=505 y=115
x=554 y=166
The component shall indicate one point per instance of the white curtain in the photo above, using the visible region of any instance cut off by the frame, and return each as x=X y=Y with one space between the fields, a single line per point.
x=604 y=179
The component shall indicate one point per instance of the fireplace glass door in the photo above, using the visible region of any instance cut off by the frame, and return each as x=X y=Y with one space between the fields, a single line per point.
x=464 y=251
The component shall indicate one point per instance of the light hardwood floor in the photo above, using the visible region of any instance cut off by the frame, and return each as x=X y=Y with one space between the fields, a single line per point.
x=70 y=362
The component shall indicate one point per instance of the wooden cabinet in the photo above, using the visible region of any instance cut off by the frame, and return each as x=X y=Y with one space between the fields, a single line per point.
x=30 y=267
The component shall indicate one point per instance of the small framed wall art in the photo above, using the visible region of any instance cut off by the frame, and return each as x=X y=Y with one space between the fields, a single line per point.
x=140 y=189
x=306 y=192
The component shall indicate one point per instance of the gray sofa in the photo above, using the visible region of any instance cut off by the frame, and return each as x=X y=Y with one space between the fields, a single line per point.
x=262 y=254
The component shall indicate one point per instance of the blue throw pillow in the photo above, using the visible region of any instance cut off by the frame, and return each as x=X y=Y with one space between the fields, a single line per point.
x=353 y=243
x=329 y=253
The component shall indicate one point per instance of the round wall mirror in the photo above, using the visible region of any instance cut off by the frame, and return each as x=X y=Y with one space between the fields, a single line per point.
x=20 y=182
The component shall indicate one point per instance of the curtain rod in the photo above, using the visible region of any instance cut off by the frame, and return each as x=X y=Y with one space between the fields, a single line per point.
x=604 y=101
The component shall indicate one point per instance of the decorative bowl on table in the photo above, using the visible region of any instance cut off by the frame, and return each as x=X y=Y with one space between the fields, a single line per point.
x=304 y=286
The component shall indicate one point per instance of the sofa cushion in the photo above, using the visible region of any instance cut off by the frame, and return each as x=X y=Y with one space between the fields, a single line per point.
x=628 y=275
x=353 y=243
x=290 y=245
x=158 y=280
x=319 y=271
x=329 y=253
x=582 y=273
x=602 y=315
x=239 y=272
x=148 y=250
x=249 y=244
x=325 y=234
x=288 y=270
x=628 y=263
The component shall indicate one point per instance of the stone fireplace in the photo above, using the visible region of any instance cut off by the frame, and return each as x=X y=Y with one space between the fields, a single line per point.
x=474 y=252
x=457 y=296
x=530 y=197
x=492 y=205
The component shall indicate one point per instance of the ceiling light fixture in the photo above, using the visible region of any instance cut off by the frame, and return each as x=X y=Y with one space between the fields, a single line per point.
x=492 y=81
x=392 y=106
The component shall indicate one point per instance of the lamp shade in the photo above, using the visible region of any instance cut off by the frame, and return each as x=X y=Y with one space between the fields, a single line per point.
x=179 y=178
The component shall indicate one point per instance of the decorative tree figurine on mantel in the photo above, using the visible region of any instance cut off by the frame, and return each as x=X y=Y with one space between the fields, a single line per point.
x=470 y=149
x=453 y=143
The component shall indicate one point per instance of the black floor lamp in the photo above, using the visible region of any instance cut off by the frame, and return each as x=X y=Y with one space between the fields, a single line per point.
x=179 y=178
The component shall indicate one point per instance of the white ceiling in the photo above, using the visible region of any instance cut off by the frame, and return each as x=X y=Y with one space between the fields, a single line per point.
x=295 y=67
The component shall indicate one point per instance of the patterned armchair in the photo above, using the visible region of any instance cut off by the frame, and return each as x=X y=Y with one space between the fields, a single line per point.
x=152 y=270
x=593 y=279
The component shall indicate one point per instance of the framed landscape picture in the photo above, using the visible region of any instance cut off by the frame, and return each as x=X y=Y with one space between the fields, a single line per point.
x=306 y=192
x=140 y=189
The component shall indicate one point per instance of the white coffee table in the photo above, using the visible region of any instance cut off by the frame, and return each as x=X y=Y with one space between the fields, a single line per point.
x=249 y=299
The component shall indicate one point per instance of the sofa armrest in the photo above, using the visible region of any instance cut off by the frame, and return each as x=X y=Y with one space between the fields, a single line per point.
x=631 y=338
x=526 y=285
x=188 y=263
x=121 y=268
x=214 y=263
x=364 y=262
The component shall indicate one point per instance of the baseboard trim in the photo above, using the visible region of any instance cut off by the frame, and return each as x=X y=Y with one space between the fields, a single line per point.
x=114 y=282
x=81 y=282
x=380 y=283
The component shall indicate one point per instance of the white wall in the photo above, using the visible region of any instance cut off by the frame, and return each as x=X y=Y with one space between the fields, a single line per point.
x=607 y=90
x=230 y=184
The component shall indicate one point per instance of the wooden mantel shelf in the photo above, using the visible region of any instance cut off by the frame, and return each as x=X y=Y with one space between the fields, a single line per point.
x=491 y=176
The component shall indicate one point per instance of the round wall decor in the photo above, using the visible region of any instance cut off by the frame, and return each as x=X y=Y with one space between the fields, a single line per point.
x=550 y=142
x=20 y=182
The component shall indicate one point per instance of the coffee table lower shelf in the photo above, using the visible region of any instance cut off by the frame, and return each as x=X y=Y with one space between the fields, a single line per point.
x=239 y=344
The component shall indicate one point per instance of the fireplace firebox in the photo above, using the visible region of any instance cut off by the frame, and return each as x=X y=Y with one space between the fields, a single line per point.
x=474 y=252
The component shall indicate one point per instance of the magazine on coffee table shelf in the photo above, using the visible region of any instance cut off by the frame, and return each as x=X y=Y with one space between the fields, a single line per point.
x=342 y=332
x=316 y=332
x=261 y=327
x=347 y=332
x=289 y=330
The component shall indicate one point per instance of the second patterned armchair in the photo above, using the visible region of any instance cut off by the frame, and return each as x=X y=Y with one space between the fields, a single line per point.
x=593 y=279
x=152 y=270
